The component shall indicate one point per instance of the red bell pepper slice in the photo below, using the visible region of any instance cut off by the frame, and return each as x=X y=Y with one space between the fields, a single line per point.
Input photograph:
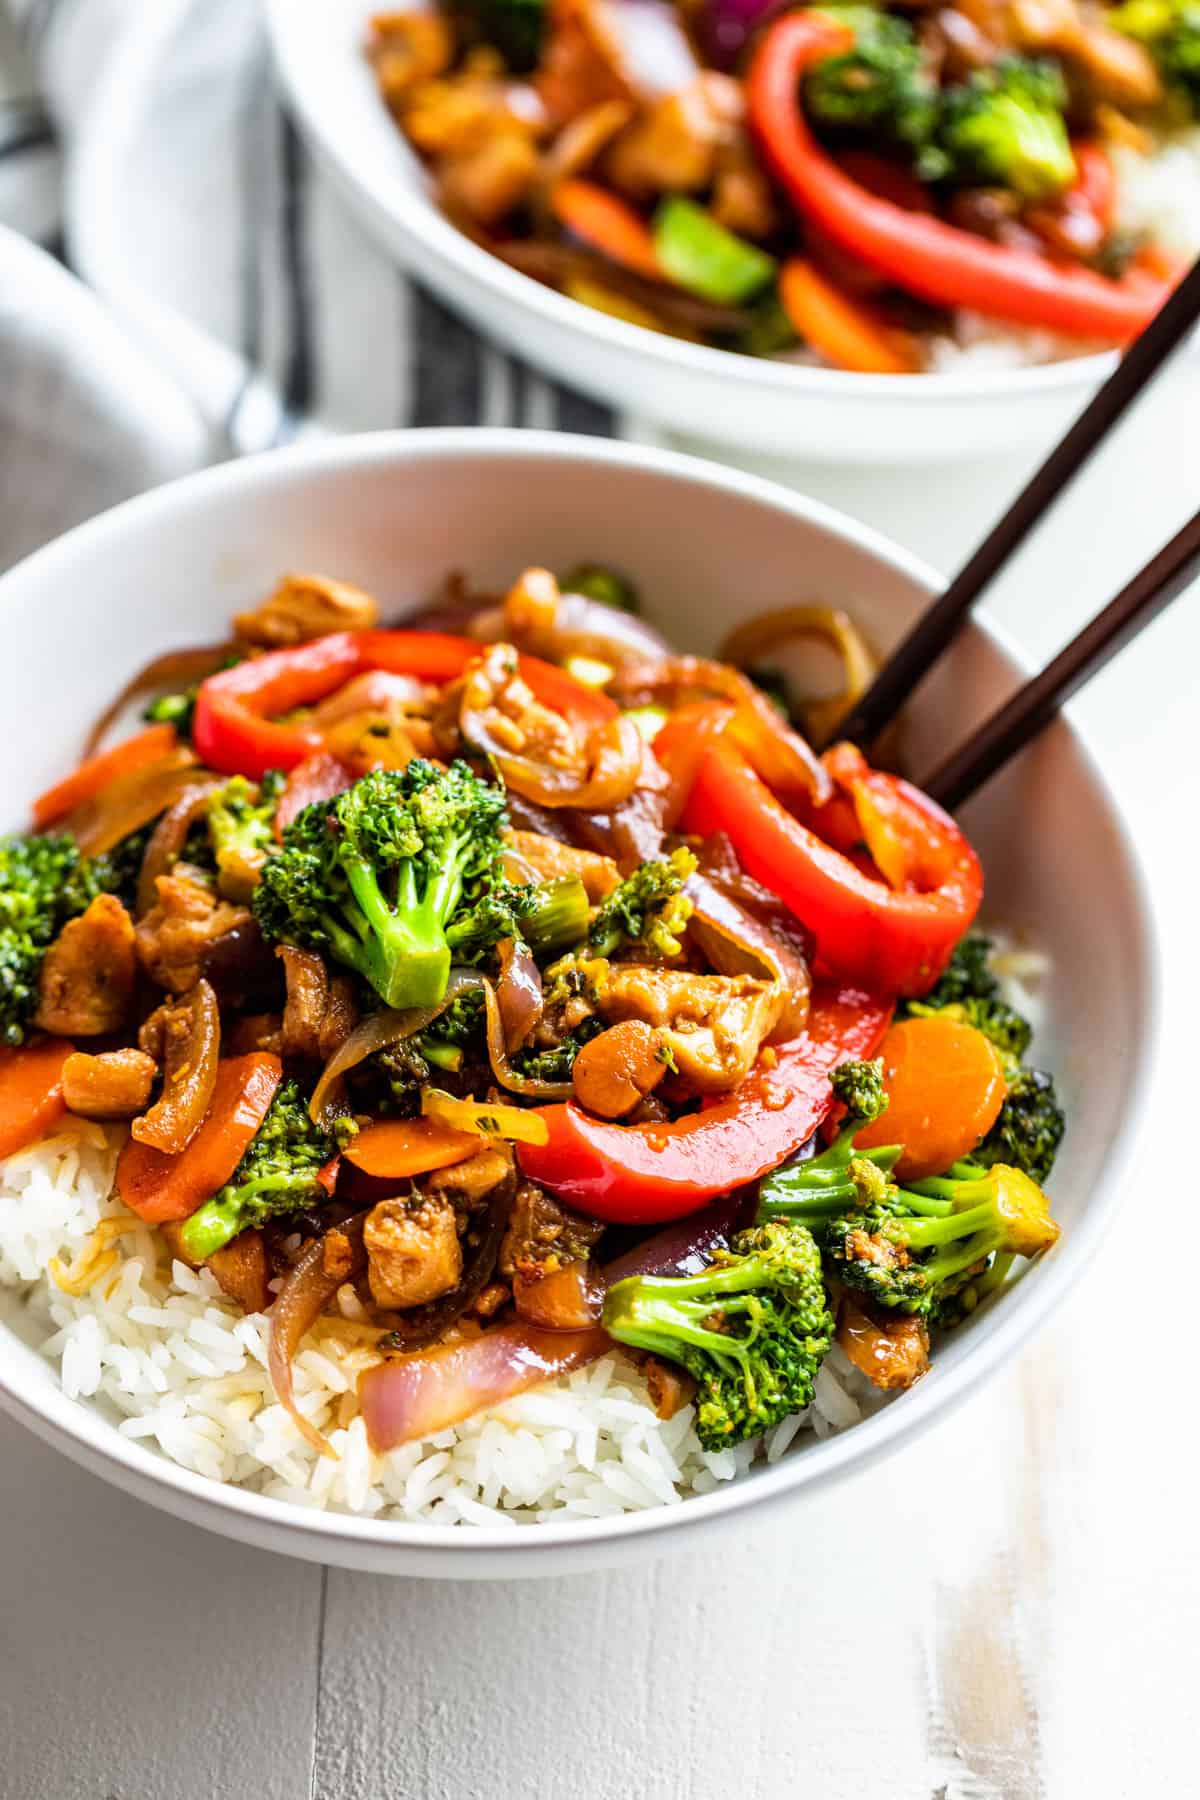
x=919 y=252
x=236 y=728
x=642 y=1174
x=892 y=940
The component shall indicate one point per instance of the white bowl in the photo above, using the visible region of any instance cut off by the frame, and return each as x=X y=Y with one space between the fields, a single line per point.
x=822 y=414
x=394 y=513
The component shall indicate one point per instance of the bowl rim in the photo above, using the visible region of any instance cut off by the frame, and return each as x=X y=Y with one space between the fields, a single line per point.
x=364 y=182
x=88 y=1437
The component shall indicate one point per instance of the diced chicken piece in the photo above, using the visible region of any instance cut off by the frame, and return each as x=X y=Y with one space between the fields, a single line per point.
x=1117 y=69
x=614 y=1072
x=413 y=1251
x=186 y=928
x=713 y=1025
x=407 y=48
x=493 y=178
x=114 y=1085
x=892 y=1353
x=240 y=1268
x=581 y=142
x=543 y=1235
x=570 y=1299
x=320 y=1013
x=551 y=861
x=255 y=1031
x=467 y=1184
x=673 y=146
x=88 y=973
x=742 y=200
x=305 y=607
x=338 y=1255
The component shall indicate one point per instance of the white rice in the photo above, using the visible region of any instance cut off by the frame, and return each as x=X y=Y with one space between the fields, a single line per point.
x=177 y=1366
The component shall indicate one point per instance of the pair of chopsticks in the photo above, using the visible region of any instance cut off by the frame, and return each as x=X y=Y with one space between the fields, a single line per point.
x=1152 y=589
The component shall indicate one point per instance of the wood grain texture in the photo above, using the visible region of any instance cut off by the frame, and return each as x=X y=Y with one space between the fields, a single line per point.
x=141 y=1659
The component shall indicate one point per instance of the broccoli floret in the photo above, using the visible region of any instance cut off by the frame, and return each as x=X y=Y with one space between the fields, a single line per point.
x=556 y=1063
x=820 y=1187
x=917 y=1249
x=879 y=88
x=598 y=582
x=1029 y=1128
x=44 y=882
x=377 y=875
x=174 y=709
x=968 y=974
x=1170 y=31
x=277 y=1174
x=1005 y=125
x=648 y=908
x=752 y=1328
x=513 y=27
x=241 y=828
x=549 y=916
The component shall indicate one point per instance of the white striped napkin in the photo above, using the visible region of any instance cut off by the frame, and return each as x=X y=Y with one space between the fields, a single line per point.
x=191 y=208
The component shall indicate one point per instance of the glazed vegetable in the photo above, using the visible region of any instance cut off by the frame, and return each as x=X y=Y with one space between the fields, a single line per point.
x=376 y=876
x=159 y=1186
x=397 y=1149
x=945 y=1084
x=878 y=84
x=846 y=332
x=31 y=1092
x=1005 y=125
x=920 y=1250
x=277 y=1174
x=642 y=1174
x=549 y=916
x=822 y=1186
x=893 y=940
x=702 y=256
x=921 y=253
x=603 y=220
x=1030 y=1125
x=648 y=908
x=1170 y=31
x=99 y=772
x=752 y=1329
x=241 y=823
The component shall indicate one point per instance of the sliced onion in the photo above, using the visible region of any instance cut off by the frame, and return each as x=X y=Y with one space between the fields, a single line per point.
x=414 y=1396
x=757 y=637
x=375 y=691
x=736 y=943
x=189 y=1058
x=130 y=802
x=298 y=1305
x=421 y=1325
x=321 y=776
x=614 y=761
x=168 y=838
x=518 y=993
x=164 y=672
x=645 y=44
x=727 y=25
x=780 y=755
x=502 y=1069
x=377 y=1032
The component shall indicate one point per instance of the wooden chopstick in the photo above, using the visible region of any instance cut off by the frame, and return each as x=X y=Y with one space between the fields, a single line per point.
x=937 y=626
x=1033 y=706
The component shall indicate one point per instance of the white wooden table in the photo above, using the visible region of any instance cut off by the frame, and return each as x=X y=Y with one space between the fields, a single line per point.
x=1005 y=1611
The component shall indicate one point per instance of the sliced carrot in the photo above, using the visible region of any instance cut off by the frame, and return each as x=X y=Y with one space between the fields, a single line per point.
x=158 y=1186
x=401 y=1147
x=31 y=1096
x=607 y=224
x=945 y=1085
x=85 y=782
x=842 y=329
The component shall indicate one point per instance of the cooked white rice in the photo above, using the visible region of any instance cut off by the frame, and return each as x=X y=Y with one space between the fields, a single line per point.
x=164 y=1353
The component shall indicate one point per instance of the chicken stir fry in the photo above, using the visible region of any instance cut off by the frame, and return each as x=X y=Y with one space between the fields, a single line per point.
x=851 y=183
x=424 y=974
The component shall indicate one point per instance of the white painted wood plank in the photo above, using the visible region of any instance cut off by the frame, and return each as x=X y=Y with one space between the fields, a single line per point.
x=141 y=1659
